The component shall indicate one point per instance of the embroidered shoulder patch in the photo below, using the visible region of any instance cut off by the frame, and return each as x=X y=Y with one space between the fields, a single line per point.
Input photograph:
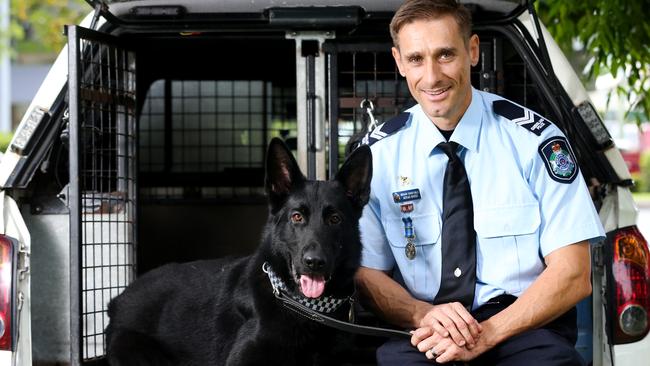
x=559 y=159
x=523 y=117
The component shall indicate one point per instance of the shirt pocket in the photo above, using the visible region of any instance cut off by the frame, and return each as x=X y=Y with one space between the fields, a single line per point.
x=499 y=221
x=508 y=245
x=421 y=275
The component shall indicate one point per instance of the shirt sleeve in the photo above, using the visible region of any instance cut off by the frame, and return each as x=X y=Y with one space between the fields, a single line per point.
x=376 y=252
x=567 y=212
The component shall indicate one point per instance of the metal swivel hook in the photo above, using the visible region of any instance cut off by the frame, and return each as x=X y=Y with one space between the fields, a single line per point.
x=369 y=107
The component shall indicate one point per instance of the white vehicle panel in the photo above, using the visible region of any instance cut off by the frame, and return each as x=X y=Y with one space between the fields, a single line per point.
x=12 y=225
x=561 y=66
x=47 y=93
x=5 y=358
x=636 y=353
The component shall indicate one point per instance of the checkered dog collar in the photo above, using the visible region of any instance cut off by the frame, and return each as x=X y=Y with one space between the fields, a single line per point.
x=323 y=304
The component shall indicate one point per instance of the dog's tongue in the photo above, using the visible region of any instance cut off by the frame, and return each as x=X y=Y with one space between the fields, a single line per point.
x=312 y=286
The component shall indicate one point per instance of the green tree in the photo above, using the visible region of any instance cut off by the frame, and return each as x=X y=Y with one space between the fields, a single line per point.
x=615 y=35
x=37 y=25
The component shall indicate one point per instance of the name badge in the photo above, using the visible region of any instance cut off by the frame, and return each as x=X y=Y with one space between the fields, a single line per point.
x=405 y=196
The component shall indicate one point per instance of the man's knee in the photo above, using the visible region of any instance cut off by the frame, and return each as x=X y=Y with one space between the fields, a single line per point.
x=539 y=347
x=400 y=352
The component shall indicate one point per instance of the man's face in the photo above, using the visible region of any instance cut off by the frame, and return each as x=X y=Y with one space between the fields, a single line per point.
x=436 y=63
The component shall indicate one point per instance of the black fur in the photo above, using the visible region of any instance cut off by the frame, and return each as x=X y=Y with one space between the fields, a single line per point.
x=223 y=312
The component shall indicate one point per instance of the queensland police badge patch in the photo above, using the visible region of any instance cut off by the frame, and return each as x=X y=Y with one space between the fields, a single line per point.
x=559 y=159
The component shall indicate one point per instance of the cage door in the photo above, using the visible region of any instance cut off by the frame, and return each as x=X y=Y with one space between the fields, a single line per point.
x=363 y=86
x=102 y=189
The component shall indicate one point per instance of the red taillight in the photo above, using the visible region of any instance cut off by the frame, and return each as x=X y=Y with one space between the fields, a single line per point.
x=7 y=288
x=630 y=270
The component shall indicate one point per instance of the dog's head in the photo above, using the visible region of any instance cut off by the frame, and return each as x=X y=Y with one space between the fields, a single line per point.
x=313 y=226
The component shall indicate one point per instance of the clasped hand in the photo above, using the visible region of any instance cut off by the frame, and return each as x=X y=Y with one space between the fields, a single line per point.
x=447 y=332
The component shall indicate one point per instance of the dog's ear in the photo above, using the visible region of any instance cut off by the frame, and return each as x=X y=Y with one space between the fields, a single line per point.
x=282 y=171
x=355 y=176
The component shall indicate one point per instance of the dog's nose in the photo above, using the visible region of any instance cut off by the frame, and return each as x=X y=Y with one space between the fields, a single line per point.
x=313 y=261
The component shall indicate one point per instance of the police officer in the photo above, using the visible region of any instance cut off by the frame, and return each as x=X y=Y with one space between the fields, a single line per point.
x=533 y=215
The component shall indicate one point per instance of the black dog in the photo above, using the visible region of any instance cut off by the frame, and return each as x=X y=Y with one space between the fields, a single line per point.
x=224 y=312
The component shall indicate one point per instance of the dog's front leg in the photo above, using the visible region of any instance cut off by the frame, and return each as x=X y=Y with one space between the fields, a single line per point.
x=250 y=349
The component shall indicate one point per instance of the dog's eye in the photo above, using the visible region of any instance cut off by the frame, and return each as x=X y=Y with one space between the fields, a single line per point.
x=334 y=219
x=296 y=217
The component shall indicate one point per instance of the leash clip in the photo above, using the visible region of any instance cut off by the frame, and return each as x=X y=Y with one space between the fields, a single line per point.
x=369 y=107
x=266 y=268
x=351 y=315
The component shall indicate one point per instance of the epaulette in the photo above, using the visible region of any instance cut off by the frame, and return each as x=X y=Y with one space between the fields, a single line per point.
x=386 y=129
x=524 y=117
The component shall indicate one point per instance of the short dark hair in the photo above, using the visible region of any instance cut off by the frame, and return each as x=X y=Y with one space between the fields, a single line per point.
x=412 y=10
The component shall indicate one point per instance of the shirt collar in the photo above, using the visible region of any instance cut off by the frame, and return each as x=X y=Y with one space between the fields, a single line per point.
x=465 y=134
x=467 y=131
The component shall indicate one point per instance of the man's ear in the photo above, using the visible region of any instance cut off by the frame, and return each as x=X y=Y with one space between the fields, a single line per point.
x=398 y=60
x=282 y=172
x=474 y=49
x=355 y=176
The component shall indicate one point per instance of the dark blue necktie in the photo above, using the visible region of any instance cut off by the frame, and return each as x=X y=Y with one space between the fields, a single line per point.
x=458 y=276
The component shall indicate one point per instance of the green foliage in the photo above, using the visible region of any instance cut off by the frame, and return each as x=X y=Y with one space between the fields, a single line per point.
x=5 y=139
x=37 y=25
x=616 y=36
x=639 y=182
x=642 y=179
x=640 y=197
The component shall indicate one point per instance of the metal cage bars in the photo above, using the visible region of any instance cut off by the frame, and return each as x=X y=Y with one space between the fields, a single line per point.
x=102 y=187
x=358 y=73
x=206 y=139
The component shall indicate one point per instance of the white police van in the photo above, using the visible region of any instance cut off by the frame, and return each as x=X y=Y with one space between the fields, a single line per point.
x=145 y=144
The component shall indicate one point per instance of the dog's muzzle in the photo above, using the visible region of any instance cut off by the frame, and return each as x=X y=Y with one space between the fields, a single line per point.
x=323 y=304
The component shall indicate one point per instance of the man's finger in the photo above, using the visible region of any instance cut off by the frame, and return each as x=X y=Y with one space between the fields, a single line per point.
x=465 y=323
x=428 y=343
x=440 y=329
x=446 y=351
x=474 y=326
x=458 y=329
x=443 y=351
x=450 y=325
x=431 y=354
x=420 y=334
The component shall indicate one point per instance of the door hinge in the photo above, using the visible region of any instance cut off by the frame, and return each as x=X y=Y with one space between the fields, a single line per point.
x=597 y=255
x=24 y=258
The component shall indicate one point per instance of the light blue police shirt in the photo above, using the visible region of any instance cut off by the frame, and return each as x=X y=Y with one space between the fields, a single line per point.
x=524 y=208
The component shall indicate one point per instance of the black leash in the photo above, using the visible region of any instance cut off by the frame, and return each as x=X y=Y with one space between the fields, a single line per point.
x=321 y=318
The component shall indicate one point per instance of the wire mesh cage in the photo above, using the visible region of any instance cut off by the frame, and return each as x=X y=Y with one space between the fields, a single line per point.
x=206 y=139
x=366 y=73
x=102 y=182
x=362 y=76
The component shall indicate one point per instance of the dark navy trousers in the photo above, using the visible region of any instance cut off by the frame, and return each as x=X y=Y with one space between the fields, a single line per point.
x=551 y=345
